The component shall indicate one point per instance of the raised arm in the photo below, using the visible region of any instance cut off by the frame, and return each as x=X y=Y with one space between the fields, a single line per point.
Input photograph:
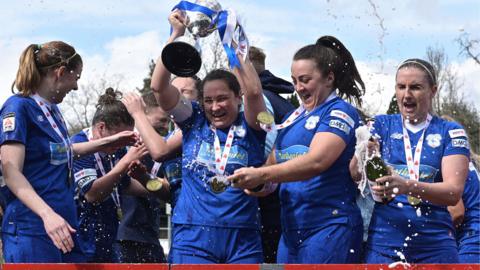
x=103 y=186
x=167 y=95
x=252 y=91
x=121 y=139
x=13 y=157
x=158 y=148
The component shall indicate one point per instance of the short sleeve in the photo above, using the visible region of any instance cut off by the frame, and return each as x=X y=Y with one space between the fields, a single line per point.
x=14 y=123
x=340 y=120
x=456 y=141
x=84 y=173
x=188 y=123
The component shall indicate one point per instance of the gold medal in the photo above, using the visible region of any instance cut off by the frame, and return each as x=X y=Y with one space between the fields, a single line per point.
x=154 y=184
x=265 y=118
x=217 y=186
x=119 y=213
x=414 y=201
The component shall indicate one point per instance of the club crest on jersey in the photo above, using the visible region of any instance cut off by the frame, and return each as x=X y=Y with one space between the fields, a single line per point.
x=312 y=122
x=240 y=131
x=39 y=118
x=340 y=125
x=434 y=140
x=8 y=122
x=396 y=136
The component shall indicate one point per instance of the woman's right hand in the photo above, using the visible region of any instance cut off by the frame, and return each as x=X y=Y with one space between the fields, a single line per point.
x=133 y=103
x=178 y=21
x=59 y=231
x=134 y=153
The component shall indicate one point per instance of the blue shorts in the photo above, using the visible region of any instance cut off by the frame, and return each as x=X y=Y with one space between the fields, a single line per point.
x=334 y=243
x=387 y=255
x=192 y=244
x=19 y=248
x=469 y=247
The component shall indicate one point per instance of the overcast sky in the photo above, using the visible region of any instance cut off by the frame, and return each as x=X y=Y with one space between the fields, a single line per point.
x=119 y=37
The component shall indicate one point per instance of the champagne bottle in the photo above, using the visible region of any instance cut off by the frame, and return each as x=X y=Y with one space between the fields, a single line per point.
x=375 y=168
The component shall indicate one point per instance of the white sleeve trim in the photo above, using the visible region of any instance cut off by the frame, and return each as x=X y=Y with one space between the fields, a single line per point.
x=182 y=111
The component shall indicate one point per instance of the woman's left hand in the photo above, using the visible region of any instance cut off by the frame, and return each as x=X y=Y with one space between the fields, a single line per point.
x=390 y=186
x=247 y=178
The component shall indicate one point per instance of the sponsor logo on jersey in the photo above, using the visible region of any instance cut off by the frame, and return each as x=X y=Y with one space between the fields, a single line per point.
x=311 y=122
x=434 y=140
x=340 y=125
x=290 y=152
x=460 y=143
x=9 y=122
x=85 y=176
x=396 y=136
x=454 y=133
x=344 y=116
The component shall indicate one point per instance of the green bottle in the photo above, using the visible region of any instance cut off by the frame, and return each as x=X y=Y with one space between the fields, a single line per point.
x=376 y=168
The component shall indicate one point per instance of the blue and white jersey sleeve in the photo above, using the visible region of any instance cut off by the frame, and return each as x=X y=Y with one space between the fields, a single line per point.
x=340 y=120
x=14 y=123
x=84 y=168
x=456 y=140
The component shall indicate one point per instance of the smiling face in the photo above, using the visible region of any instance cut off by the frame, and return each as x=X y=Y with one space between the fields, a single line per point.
x=414 y=93
x=220 y=103
x=311 y=86
x=66 y=82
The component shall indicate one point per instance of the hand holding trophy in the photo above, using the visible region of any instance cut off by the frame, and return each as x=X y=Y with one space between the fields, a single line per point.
x=182 y=56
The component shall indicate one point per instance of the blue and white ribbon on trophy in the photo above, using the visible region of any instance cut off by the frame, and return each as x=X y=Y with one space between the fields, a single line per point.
x=232 y=35
x=230 y=30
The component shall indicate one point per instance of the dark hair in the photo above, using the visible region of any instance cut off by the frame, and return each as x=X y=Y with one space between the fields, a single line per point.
x=149 y=99
x=330 y=55
x=37 y=59
x=220 y=74
x=427 y=68
x=111 y=110
x=257 y=57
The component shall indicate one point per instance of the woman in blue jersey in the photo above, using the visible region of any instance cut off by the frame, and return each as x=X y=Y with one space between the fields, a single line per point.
x=466 y=217
x=100 y=179
x=429 y=160
x=321 y=222
x=213 y=222
x=40 y=219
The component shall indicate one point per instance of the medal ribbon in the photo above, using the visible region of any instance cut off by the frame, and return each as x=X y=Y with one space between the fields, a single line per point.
x=115 y=195
x=155 y=168
x=42 y=103
x=221 y=158
x=413 y=164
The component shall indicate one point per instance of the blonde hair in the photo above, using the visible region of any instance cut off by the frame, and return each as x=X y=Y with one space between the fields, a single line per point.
x=37 y=60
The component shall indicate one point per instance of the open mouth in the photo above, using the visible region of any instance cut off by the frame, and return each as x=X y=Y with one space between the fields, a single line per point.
x=218 y=116
x=409 y=106
x=305 y=96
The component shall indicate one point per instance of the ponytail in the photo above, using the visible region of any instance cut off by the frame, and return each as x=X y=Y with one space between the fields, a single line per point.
x=38 y=59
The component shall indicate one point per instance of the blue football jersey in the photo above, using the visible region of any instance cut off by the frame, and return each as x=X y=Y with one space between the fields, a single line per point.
x=398 y=223
x=98 y=221
x=468 y=234
x=45 y=165
x=198 y=204
x=330 y=196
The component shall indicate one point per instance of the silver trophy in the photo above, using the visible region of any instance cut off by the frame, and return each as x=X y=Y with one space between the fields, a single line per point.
x=182 y=56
